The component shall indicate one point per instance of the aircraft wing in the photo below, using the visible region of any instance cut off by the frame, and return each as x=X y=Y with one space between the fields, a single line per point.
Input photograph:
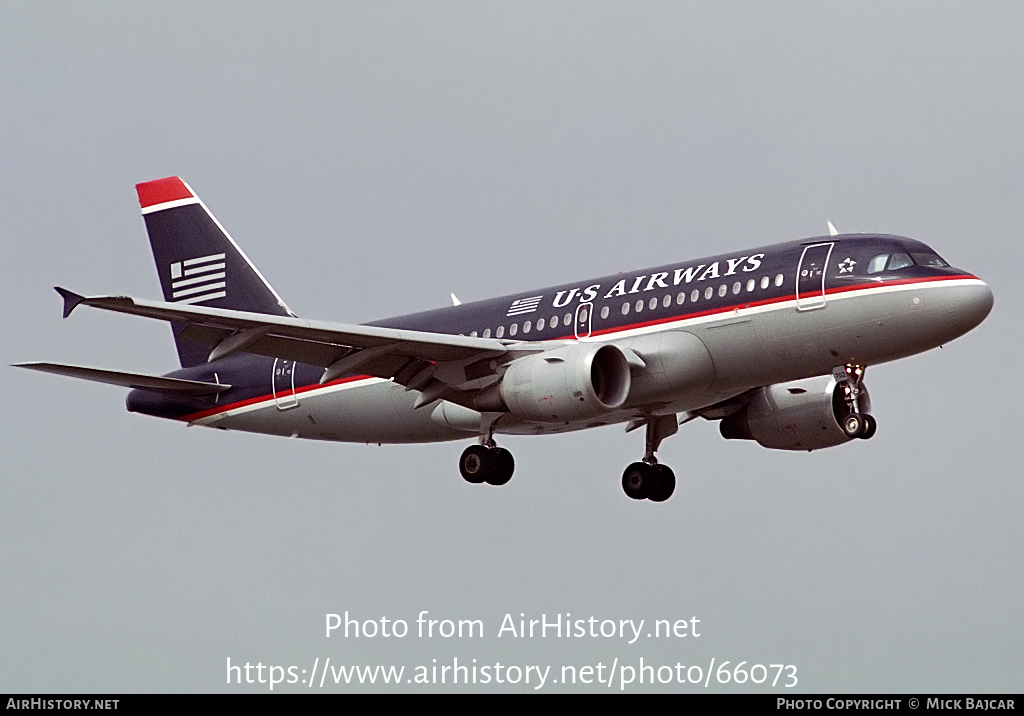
x=412 y=358
x=160 y=384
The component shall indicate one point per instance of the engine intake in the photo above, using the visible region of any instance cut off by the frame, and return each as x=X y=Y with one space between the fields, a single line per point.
x=800 y=415
x=575 y=382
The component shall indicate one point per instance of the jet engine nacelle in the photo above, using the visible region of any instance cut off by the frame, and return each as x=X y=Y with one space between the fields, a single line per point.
x=576 y=382
x=799 y=415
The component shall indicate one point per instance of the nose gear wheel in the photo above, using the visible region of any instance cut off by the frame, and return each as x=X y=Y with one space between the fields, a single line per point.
x=857 y=423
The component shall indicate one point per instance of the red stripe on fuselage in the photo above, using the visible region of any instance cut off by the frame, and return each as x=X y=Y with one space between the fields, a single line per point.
x=267 y=397
x=607 y=331
x=767 y=302
x=161 y=191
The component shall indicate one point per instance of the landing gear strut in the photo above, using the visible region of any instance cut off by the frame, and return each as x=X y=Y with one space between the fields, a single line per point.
x=857 y=423
x=487 y=462
x=649 y=479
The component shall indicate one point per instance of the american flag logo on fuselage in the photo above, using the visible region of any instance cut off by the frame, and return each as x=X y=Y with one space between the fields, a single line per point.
x=524 y=305
x=196 y=280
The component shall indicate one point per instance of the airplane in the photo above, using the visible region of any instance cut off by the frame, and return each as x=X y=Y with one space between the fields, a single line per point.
x=772 y=341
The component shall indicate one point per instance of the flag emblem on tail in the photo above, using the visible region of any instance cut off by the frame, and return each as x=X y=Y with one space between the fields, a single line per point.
x=199 y=279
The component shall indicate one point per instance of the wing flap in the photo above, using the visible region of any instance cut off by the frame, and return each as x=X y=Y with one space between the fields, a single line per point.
x=176 y=386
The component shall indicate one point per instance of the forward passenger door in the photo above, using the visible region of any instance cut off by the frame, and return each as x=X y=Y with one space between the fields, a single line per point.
x=810 y=276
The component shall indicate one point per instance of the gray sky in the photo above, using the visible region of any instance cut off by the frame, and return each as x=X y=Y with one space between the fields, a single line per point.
x=371 y=158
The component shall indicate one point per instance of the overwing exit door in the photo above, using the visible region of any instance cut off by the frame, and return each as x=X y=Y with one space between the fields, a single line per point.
x=584 y=319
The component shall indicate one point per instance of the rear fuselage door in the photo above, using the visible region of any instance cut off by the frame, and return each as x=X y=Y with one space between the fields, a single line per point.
x=810 y=276
x=283 y=384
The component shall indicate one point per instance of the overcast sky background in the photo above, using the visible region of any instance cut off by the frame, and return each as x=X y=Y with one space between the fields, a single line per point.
x=373 y=157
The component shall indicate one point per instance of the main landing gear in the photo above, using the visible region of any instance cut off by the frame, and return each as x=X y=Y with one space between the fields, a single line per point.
x=487 y=463
x=857 y=423
x=648 y=479
x=644 y=481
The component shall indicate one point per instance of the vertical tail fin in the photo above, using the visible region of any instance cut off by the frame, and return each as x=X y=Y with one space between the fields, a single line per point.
x=197 y=261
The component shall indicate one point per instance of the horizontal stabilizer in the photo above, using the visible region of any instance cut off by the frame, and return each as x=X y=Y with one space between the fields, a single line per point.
x=176 y=386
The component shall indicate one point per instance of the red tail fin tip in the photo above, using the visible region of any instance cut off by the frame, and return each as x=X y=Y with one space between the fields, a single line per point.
x=161 y=191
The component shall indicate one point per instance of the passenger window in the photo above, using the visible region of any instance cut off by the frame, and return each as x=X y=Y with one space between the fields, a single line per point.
x=567 y=318
x=487 y=333
x=526 y=327
x=583 y=316
x=639 y=305
x=540 y=324
x=513 y=329
x=900 y=260
x=681 y=298
x=764 y=283
x=778 y=280
x=554 y=322
x=500 y=332
x=878 y=263
x=653 y=304
x=625 y=308
x=472 y=334
x=750 y=285
x=604 y=312
x=694 y=295
x=736 y=287
x=667 y=301
x=709 y=292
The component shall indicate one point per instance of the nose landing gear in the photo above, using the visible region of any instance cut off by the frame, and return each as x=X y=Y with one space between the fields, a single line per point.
x=857 y=423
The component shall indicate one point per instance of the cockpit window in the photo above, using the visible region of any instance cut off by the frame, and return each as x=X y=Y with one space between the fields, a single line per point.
x=878 y=263
x=900 y=260
x=926 y=259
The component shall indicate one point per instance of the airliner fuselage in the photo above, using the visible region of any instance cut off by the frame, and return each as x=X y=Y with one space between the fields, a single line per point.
x=773 y=341
x=720 y=326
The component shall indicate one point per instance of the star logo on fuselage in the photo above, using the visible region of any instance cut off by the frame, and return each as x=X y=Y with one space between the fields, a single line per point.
x=846 y=265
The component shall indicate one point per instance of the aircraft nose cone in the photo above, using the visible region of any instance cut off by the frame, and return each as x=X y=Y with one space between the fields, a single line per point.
x=973 y=304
